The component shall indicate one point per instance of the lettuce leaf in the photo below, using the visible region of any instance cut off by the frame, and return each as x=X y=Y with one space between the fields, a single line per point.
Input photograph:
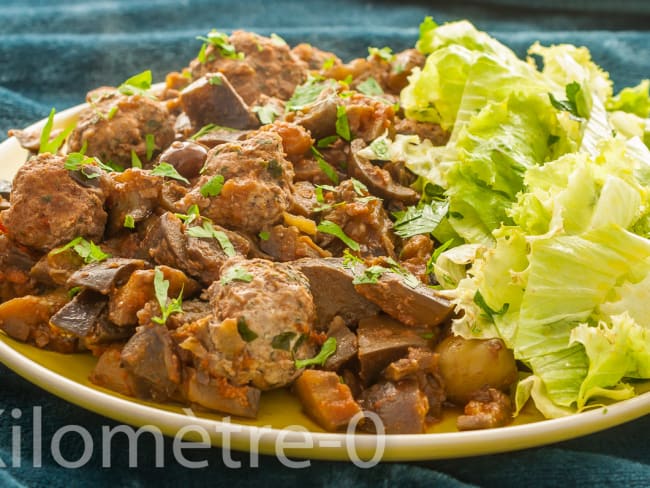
x=633 y=100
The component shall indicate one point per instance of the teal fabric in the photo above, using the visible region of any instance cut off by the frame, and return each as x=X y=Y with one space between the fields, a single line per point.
x=53 y=52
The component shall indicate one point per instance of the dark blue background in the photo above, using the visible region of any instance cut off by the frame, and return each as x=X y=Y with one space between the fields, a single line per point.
x=53 y=52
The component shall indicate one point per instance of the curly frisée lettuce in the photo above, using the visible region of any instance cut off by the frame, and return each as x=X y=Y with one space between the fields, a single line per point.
x=546 y=176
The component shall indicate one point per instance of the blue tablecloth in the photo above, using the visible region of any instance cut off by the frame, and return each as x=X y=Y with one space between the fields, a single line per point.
x=53 y=52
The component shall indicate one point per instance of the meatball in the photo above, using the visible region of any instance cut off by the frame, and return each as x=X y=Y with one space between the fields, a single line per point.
x=256 y=183
x=268 y=67
x=49 y=207
x=261 y=311
x=114 y=125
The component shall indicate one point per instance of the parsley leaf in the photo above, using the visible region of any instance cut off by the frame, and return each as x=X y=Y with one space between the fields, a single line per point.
x=326 y=142
x=53 y=146
x=266 y=113
x=222 y=44
x=574 y=103
x=264 y=235
x=216 y=80
x=166 y=170
x=207 y=231
x=329 y=348
x=150 y=145
x=167 y=307
x=328 y=63
x=359 y=188
x=384 y=53
x=213 y=187
x=135 y=160
x=137 y=84
x=436 y=254
x=244 y=332
x=350 y=259
x=342 y=124
x=283 y=341
x=307 y=93
x=420 y=219
x=236 y=274
x=370 y=87
x=370 y=275
x=206 y=129
x=129 y=222
x=88 y=250
x=325 y=167
x=191 y=216
x=480 y=301
x=329 y=227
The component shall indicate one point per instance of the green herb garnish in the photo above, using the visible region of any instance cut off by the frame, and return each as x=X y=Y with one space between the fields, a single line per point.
x=283 y=341
x=150 y=145
x=573 y=103
x=53 y=146
x=87 y=250
x=329 y=227
x=384 y=53
x=207 y=231
x=191 y=216
x=325 y=167
x=342 y=124
x=370 y=87
x=213 y=187
x=137 y=85
x=480 y=301
x=236 y=274
x=167 y=306
x=166 y=170
x=135 y=160
x=329 y=348
x=307 y=93
x=266 y=113
x=420 y=219
x=129 y=222
x=244 y=332
x=264 y=235
x=222 y=44
x=370 y=275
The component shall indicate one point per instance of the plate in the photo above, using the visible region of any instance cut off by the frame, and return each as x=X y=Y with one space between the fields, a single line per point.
x=281 y=428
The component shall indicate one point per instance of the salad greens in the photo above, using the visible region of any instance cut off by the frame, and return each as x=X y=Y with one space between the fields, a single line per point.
x=545 y=181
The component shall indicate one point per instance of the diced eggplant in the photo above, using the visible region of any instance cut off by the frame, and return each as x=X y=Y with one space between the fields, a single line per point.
x=106 y=276
x=27 y=319
x=80 y=314
x=187 y=157
x=109 y=373
x=419 y=306
x=56 y=267
x=383 y=340
x=221 y=135
x=346 y=345
x=149 y=357
x=378 y=180
x=319 y=118
x=401 y=406
x=334 y=294
x=212 y=100
x=217 y=394
x=325 y=399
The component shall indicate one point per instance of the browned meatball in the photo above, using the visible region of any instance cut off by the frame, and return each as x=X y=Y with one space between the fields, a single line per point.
x=49 y=207
x=268 y=67
x=115 y=124
x=258 y=319
x=256 y=188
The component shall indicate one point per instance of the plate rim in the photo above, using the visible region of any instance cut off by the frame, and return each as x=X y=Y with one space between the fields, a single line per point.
x=325 y=445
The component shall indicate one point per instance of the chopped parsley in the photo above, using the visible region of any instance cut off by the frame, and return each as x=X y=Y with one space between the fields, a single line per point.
x=307 y=93
x=283 y=341
x=244 y=332
x=166 y=170
x=236 y=274
x=111 y=113
x=191 y=216
x=167 y=306
x=221 y=43
x=150 y=145
x=215 y=80
x=370 y=87
x=480 y=301
x=329 y=348
x=325 y=167
x=329 y=227
x=384 y=53
x=129 y=222
x=264 y=235
x=137 y=84
x=342 y=124
x=573 y=103
x=326 y=142
x=135 y=160
x=206 y=129
x=420 y=219
x=274 y=168
x=207 y=231
x=88 y=166
x=266 y=113
x=350 y=259
x=328 y=63
x=359 y=188
x=277 y=39
x=87 y=250
x=213 y=187
x=53 y=146
x=436 y=254
x=370 y=275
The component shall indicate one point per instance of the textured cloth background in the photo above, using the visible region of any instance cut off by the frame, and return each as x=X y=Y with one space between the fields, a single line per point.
x=53 y=52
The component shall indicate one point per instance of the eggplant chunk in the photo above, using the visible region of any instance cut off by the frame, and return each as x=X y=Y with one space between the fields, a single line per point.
x=150 y=358
x=401 y=406
x=419 y=307
x=347 y=346
x=212 y=100
x=109 y=373
x=325 y=399
x=5 y=189
x=27 y=319
x=319 y=117
x=106 y=276
x=383 y=340
x=334 y=294
x=378 y=181
x=80 y=315
x=217 y=394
